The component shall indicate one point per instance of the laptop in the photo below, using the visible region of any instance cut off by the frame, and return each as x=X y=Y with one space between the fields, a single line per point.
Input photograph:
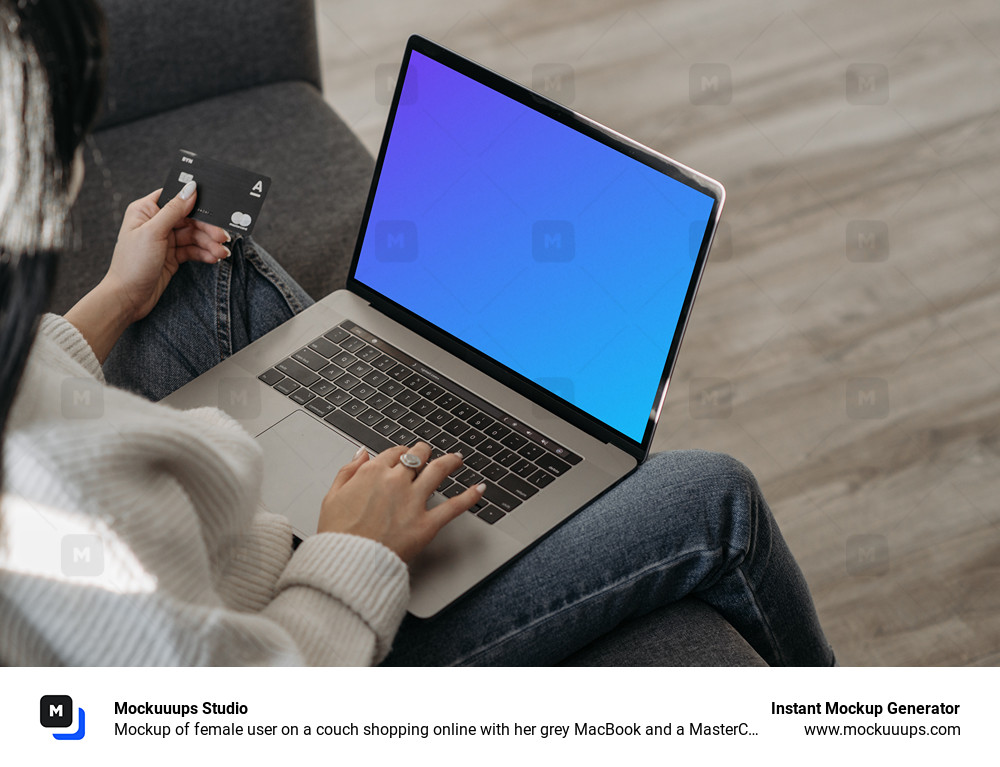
x=519 y=290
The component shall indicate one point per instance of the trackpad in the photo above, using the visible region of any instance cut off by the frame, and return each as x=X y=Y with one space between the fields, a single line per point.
x=301 y=458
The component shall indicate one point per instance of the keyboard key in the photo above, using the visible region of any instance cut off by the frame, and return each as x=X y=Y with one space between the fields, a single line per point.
x=447 y=401
x=358 y=431
x=465 y=411
x=423 y=407
x=402 y=436
x=271 y=377
x=541 y=478
x=331 y=371
x=444 y=441
x=445 y=484
x=287 y=386
x=416 y=381
x=370 y=417
x=524 y=468
x=384 y=363
x=343 y=359
x=352 y=344
x=431 y=391
x=386 y=427
x=310 y=359
x=347 y=381
x=553 y=465
x=456 y=426
x=319 y=406
x=322 y=388
x=326 y=348
x=493 y=472
x=490 y=448
x=363 y=391
x=394 y=411
x=469 y=477
x=378 y=400
x=299 y=372
x=368 y=353
x=531 y=451
x=426 y=430
x=477 y=461
x=407 y=397
x=354 y=407
x=514 y=440
x=392 y=388
x=463 y=448
x=337 y=335
x=453 y=490
x=496 y=431
x=480 y=421
x=301 y=395
x=439 y=417
x=400 y=373
x=566 y=455
x=491 y=514
x=359 y=369
x=474 y=437
x=375 y=378
x=411 y=420
x=507 y=458
x=338 y=397
x=501 y=497
x=518 y=487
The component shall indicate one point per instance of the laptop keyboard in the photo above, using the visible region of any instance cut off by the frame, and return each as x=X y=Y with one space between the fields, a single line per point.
x=382 y=397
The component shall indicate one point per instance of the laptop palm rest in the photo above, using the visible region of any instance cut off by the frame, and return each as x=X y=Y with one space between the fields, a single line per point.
x=301 y=458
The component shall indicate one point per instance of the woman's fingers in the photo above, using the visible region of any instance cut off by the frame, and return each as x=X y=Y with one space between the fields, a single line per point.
x=349 y=470
x=390 y=457
x=445 y=512
x=436 y=471
x=189 y=235
x=217 y=234
x=194 y=253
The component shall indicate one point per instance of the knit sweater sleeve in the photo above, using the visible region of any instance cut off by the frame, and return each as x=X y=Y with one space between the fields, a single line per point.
x=192 y=572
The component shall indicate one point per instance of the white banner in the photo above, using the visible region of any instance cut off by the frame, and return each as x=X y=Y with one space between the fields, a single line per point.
x=491 y=717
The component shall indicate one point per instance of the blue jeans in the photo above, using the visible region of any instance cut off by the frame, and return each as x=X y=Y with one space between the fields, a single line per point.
x=686 y=523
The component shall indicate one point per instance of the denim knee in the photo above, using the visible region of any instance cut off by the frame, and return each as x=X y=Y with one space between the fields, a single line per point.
x=721 y=491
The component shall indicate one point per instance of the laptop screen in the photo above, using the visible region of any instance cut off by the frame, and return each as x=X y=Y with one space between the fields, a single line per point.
x=560 y=257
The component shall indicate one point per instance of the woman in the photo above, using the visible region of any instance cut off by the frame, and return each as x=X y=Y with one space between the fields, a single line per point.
x=130 y=530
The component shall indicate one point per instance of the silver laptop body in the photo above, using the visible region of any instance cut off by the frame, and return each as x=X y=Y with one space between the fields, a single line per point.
x=540 y=425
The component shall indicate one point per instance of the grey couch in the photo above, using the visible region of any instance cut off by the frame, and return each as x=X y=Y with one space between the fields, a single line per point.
x=239 y=81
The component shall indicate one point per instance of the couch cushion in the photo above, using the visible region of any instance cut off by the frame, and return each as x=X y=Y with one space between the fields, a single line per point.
x=320 y=177
x=167 y=54
x=685 y=633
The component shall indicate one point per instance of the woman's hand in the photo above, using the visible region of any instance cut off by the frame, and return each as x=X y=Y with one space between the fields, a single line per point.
x=153 y=243
x=381 y=499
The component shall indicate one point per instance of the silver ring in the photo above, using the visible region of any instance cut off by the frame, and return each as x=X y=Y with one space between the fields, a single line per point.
x=411 y=461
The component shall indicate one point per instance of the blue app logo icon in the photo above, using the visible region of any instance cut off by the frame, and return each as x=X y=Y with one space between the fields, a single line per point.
x=56 y=711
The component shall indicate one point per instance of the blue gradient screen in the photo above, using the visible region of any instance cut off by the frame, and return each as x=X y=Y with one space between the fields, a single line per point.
x=559 y=257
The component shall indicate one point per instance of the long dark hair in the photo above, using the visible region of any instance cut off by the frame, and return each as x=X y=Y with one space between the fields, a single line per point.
x=51 y=79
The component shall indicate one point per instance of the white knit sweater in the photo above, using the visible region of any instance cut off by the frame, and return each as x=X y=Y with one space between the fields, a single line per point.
x=184 y=568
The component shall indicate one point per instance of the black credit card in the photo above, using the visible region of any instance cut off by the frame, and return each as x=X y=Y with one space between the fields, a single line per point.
x=228 y=196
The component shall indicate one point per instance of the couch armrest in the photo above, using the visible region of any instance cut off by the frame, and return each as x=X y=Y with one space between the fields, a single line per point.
x=168 y=53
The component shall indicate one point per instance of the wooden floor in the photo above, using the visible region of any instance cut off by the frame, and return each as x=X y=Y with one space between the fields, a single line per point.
x=845 y=342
